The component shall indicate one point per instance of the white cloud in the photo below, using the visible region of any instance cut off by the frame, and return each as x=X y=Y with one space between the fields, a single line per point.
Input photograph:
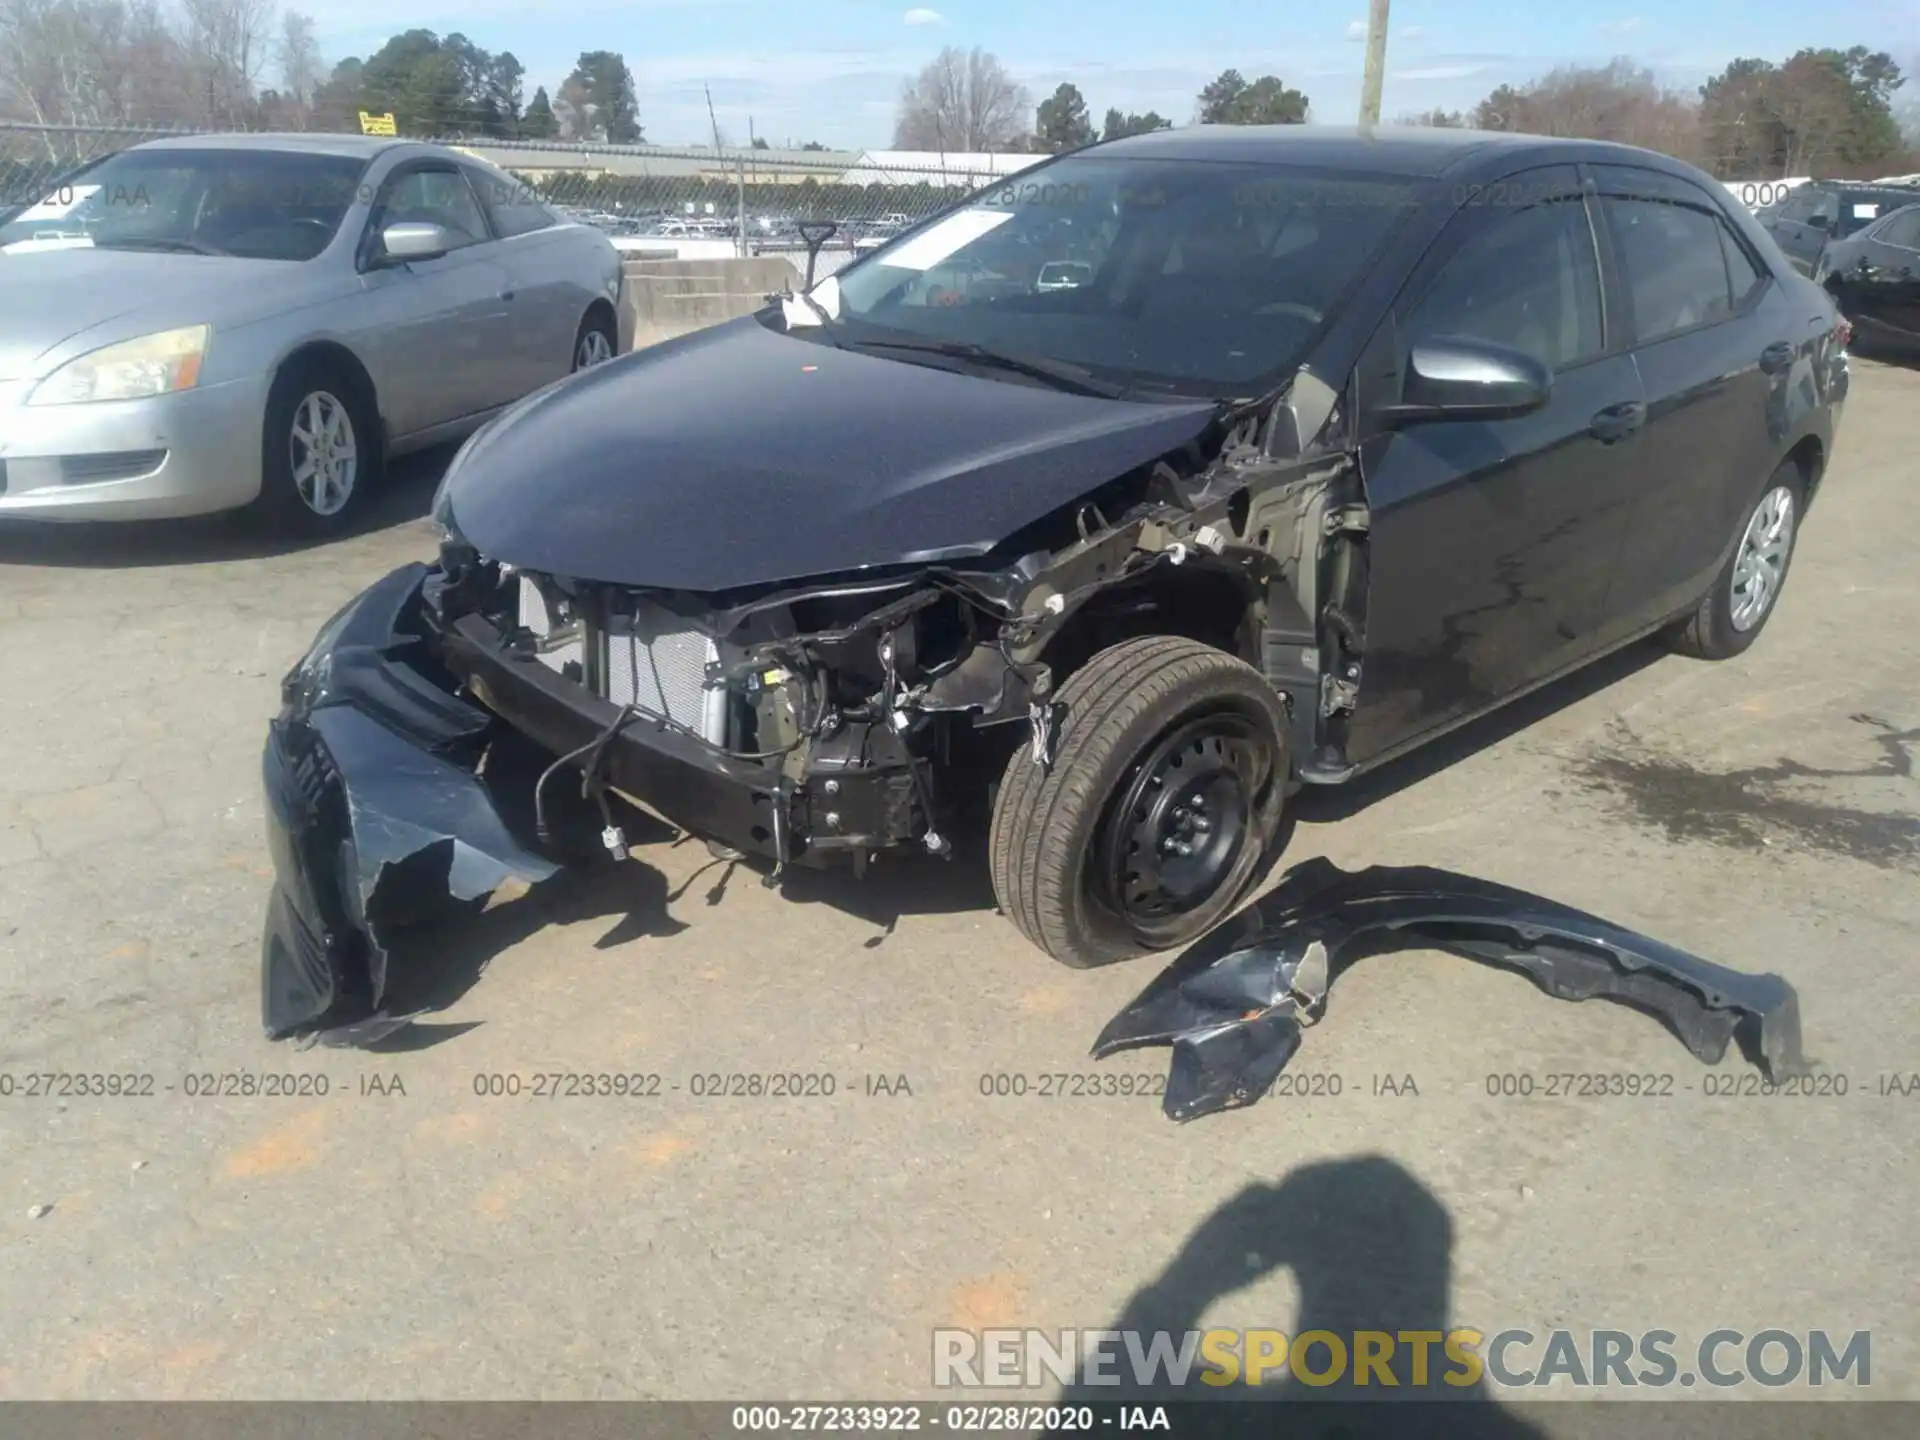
x=1623 y=27
x=1357 y=30
x=1412 y=32
x=920 y=16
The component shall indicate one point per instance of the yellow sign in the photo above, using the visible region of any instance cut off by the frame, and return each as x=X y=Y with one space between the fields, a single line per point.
x=377 y=124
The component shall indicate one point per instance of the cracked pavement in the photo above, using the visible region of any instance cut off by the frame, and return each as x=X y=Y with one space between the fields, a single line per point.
x=369 y=1243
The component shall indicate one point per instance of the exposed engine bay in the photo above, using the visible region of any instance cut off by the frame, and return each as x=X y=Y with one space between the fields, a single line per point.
x=859 y=695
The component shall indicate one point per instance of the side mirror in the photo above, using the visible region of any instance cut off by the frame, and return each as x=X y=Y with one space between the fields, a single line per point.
x=1820 y=222
x=416 y=240
x=1469 y=380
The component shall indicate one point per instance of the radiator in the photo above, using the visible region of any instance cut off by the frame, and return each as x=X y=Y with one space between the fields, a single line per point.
x=653 y=660
x=535 y=617
x=657 y=662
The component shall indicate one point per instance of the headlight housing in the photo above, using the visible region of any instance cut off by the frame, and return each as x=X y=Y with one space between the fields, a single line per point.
x=156 y=364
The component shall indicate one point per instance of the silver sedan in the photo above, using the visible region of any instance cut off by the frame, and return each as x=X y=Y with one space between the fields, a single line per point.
x=202 y=324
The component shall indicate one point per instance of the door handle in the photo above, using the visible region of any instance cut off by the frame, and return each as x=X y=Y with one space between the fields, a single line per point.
x=1777 y=357
x=506 y=294
x=1616 y=422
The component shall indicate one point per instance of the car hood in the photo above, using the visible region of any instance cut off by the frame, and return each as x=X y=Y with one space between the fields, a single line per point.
x=49 y=296
x=741 y=456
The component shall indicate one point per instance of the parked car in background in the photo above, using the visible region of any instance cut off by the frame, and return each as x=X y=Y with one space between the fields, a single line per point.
x=203 y=324
x=1063 y=275
x=1351 y=438
x=1874 y=277
x=1820 y=212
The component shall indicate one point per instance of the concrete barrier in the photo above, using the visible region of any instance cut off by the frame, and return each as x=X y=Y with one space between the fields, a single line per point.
x=666 y=298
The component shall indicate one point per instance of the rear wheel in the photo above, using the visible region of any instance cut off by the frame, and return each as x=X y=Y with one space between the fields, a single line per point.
x=1733 y=612
x=319 y=451
x=1164 y=794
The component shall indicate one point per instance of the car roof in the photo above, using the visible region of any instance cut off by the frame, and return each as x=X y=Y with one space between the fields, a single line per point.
x=1423 y=151
x=358 y=147
x=1908 y=193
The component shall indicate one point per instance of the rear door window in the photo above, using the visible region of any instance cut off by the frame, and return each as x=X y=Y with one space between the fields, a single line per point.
x=1674 y=263
x=1745 y=275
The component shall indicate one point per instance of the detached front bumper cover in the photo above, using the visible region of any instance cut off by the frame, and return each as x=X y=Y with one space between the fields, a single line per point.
x=1235 y=1006
x=375 y=810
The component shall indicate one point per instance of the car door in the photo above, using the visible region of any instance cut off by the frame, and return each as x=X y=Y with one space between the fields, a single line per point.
x=1707 y=362
x=1879 y=284
x=549 y=280
x=1491 y=540
x=436 y=329
x=1804 y=233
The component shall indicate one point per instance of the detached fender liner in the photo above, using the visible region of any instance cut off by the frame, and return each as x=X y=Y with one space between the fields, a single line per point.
x=1234 y=1007
x=375 y=811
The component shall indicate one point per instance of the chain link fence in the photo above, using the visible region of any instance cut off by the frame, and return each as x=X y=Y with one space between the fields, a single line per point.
x=693 y=202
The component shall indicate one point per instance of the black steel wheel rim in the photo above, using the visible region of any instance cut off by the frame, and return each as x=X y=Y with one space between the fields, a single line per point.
x=1183 y=819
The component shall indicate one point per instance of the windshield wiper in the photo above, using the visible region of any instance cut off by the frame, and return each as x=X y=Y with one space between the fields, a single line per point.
x=157 y=242
x=1057 y=373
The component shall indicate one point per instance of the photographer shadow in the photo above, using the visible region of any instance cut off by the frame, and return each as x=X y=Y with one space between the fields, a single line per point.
x=1371 y=1249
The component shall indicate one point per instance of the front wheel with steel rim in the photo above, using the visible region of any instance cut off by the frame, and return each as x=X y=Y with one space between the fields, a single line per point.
x=319 y=451
x=1163 y=797
x=1732 y=614
x=595 y=344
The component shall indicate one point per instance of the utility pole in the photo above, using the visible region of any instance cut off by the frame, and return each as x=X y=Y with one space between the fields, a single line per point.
x=1376 y=72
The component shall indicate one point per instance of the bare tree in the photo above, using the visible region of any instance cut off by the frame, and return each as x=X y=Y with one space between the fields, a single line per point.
x=226 y=44
x=301 y=69
x=74 y=62
x=1620 y=102
x=964 y=100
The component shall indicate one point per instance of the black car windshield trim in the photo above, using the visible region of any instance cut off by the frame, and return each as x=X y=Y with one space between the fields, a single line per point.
x=252 y=204
x=1210 y=278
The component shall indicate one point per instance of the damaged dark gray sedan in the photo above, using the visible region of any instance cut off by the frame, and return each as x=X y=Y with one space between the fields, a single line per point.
x=1326 y=444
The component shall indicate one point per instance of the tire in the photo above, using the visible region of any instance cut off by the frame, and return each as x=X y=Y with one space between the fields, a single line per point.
x=1148 y=708
x=1724 y=624
x=306 y=397
x=596 y=338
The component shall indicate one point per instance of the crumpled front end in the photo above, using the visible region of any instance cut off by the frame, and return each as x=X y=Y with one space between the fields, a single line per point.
x=376 y=811
x=1235 y=1006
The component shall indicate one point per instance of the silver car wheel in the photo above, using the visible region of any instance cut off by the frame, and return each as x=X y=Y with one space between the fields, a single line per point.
x=593 y=349
x=325 y=453
x=1761 y=563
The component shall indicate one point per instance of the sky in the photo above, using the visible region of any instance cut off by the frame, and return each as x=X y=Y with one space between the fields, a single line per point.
x=831 y=70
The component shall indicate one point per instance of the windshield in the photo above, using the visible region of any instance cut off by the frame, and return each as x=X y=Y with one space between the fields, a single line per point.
x=1193 y=276
x=257 y=204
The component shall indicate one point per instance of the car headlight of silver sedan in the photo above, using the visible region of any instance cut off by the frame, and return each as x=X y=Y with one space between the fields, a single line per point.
x=156 y=364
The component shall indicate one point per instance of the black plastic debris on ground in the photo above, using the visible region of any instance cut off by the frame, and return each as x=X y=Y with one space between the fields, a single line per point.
x=1235 y=1006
